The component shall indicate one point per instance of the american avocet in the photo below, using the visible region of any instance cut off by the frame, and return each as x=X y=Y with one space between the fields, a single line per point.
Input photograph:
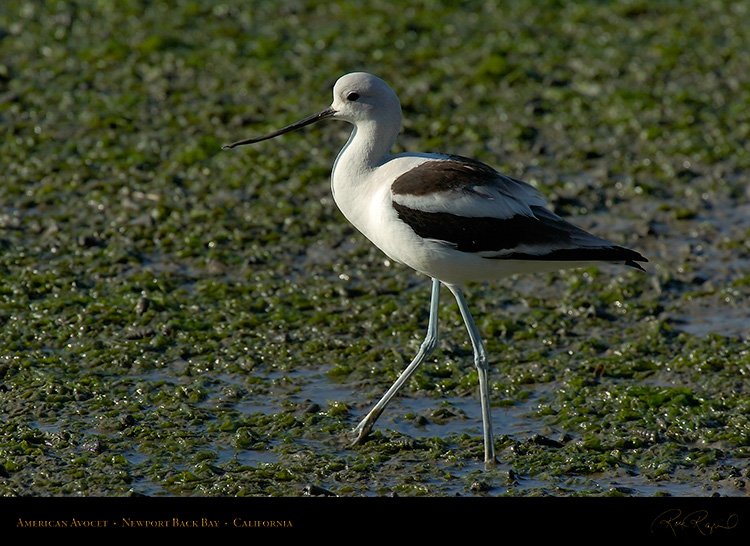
x=454 y=219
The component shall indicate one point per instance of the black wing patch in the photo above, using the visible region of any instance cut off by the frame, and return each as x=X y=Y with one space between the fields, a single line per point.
x=545 y=236
x=514 y=225
x=451 y=174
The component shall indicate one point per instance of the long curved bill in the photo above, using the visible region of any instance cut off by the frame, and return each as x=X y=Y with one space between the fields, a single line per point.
x=327 y=113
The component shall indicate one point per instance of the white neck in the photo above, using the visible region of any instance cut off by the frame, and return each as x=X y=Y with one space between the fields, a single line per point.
x=353 y=183
x=368 y=147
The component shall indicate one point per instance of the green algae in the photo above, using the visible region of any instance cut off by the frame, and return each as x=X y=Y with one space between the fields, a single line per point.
x=178 y=320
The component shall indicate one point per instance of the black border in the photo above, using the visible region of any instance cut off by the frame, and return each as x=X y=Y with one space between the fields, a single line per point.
x=626 y=518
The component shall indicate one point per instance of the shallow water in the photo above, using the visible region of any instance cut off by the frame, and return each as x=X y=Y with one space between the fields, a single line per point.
x=158 y=294
x=518 y=422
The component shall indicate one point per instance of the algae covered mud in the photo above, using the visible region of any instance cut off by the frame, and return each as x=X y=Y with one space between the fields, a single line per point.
x=178 y=320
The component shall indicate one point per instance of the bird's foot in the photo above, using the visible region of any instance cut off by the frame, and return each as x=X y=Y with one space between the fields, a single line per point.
x=490 y=463
x=363 y=429
x=361 y=432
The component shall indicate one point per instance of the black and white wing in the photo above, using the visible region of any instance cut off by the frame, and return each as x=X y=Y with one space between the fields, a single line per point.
x=469 y=206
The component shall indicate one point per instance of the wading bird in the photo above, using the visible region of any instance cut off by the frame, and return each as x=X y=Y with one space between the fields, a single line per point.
x=451 y=218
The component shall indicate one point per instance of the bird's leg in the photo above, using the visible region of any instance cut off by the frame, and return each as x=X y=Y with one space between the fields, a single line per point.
x=428 y=345
x=480 y=361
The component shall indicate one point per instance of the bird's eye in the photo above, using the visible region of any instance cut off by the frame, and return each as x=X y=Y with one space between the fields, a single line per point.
x=352 y=96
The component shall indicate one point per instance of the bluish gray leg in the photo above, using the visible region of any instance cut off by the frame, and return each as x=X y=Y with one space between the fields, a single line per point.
x=428 y=345
x=480 y=361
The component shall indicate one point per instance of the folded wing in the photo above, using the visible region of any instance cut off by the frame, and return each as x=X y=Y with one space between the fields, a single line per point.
x=469 y=206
